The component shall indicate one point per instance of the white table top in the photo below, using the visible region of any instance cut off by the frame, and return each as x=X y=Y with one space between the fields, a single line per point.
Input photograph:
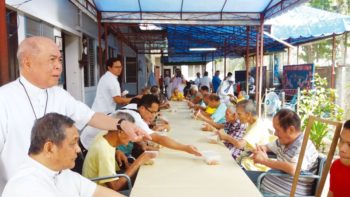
x=178 y=174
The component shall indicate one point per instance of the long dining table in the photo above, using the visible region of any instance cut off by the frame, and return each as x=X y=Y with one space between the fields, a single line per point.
x=179 y=174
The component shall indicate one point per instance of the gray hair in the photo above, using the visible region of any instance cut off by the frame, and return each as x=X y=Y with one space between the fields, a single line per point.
x=248 y=106
x=232 y=108
x=125 y=116
x=51 y=127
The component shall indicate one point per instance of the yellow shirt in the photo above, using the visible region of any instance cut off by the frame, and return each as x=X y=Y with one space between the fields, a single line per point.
x=210 y=110
x=256 y=134
x=178 y=97
x=100 y=160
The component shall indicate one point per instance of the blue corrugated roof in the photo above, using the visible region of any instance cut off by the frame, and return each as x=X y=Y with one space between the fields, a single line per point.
x=199 y=23
x=229 y=39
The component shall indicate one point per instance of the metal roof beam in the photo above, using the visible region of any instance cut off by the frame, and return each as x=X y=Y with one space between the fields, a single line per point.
x=187 y=22
x=120 y=36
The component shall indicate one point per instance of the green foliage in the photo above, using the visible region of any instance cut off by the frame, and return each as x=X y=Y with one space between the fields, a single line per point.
x=337 y=6
x=320 y=131
x=319 y=102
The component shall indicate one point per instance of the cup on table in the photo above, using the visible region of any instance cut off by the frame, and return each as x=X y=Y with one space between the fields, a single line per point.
x=211 y=157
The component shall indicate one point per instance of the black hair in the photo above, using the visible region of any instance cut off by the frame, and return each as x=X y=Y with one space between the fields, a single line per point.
x=229 y=74
x=110 y=61
x=154 y=89
x=135 y=100
x=51 y=127
x=214 y=97
x=205 y=88
x=287 y=118
x=347 y=124
x=148 y=100
x=206 y=73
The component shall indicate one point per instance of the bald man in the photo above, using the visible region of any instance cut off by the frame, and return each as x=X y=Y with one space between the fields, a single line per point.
x=34 y=94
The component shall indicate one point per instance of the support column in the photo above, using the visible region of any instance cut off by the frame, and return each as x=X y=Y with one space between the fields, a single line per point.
x=261 y=63
x=345 y=47
x=212 y=63
x=289 y=52
x=298 y=54
x=225 y=51
x=257 y=61
x=333 y=63
x=247 y=59
x=4 y=63
x=121 y=78
x=105 y=33
x=99 y=29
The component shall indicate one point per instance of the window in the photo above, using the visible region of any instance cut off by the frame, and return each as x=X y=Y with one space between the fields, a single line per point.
x=131 y=69
x=88 y=60
x=38 y=28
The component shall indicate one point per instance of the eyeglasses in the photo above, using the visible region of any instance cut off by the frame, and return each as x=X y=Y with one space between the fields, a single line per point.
x=153 y=112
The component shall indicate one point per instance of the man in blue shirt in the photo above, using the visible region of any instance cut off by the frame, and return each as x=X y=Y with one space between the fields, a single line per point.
x=216 y=81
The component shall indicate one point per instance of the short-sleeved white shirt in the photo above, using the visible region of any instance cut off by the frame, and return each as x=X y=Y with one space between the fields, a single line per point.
x=35 y=179
x=205 y=81
x=107 y=88
x=131 y=109
x=89 y=133
x=17 y=119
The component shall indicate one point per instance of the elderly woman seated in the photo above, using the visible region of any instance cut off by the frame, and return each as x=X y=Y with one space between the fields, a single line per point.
x=256 y=133
x=231 y=129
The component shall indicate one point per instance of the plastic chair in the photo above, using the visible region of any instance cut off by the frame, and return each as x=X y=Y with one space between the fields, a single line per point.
x=317 y=176
x=79 y=168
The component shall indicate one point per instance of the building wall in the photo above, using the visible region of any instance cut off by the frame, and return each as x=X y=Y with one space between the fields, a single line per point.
x=67 y=19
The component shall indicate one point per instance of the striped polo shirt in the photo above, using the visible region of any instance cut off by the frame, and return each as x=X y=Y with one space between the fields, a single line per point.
x=283 y=185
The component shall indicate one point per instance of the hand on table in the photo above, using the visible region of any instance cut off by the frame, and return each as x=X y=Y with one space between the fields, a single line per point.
x=207 y=127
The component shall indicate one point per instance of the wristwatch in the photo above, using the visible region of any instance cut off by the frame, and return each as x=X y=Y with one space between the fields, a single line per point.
x=120 y=123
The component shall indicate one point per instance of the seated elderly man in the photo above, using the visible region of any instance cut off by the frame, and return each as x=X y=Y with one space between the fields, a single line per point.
x=53 y=149
x=100 y=160
x=287 y=148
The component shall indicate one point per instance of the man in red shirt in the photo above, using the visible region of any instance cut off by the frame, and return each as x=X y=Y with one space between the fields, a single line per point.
x=340 y=170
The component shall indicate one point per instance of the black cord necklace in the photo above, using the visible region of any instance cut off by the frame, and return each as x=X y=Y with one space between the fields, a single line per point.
x=30 y=102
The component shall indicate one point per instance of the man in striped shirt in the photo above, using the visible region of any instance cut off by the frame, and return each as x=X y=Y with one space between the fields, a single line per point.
x=287 y=148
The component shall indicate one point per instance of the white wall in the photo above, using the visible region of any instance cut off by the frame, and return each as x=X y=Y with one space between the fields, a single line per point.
x=59 y=13
x=67 y=18
x=74 y=74
x=142 y=72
